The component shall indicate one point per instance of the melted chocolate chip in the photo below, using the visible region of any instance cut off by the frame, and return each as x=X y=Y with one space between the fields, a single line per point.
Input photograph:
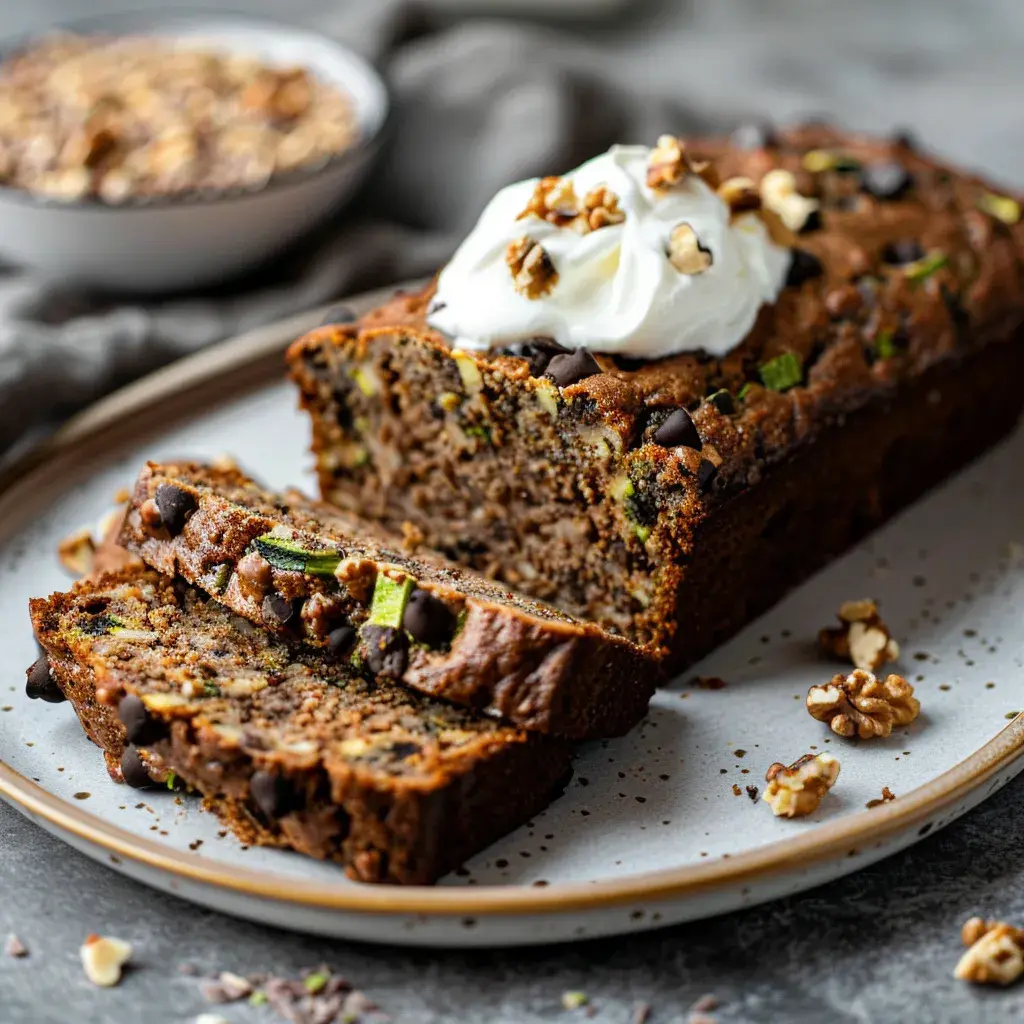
x=139 y=726
x=272 y=794
x=706 y=473
x=723 y=402
x=338 y=315
x=175 y=506
x=427 y=619
x=538 y=352
x=277 y=610
x=40 y=684
x=803 y=266
x=404 y=749
x=678 y=430
x=571 y=368
x=813 y=223
x=133 y=771
x=906 y=250
x=385 y=651
x=340 y=640
x=887 y=179
x=754 y=135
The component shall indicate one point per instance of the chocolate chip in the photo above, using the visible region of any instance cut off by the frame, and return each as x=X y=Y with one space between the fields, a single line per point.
x=678 y=430
x=175 y=506
x=404 y=749
x=427 y=619
x=139 y=726
x=569 y=369
x=40 y=684
x=538 y=352
x=338 y=315
x=723 y=402
x=803 y=266
x=886 y=179
x=340 y=640
x=813 y=223
x=277 y=610
x=706 y=473
x=133 y=771
x=906 y=250
x=385 y=651
x=272 y=794
x=754 y=135
x=905 y=139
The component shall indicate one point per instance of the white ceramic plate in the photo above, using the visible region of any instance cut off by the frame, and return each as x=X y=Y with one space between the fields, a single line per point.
x=656 y=827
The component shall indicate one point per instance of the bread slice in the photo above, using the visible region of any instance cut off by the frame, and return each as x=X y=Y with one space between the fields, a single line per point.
x=290 y=746
x=305 y=570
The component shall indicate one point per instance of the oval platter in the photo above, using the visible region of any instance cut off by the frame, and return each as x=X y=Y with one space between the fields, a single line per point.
x=661 y=826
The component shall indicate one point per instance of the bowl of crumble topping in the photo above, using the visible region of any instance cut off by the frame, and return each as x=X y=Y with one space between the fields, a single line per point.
x=156 y=152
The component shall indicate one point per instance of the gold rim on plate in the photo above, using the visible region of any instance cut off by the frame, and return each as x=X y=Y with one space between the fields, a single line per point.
x=253 y=360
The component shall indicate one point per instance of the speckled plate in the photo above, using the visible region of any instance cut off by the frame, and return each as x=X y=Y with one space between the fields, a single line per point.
x=657 y=827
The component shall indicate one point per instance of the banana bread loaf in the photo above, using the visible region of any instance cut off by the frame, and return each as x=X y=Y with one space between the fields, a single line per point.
x=674 y=499
x=303 y=570
x=288 y=745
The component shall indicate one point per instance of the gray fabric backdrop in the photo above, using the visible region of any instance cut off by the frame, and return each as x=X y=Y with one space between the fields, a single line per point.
x=484 y=102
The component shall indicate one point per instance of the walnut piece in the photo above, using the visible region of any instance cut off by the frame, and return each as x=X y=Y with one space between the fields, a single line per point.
x=796 y=790
x=102 y=959
x=740 y=195
x=779 y=194
x=554 y=200
x=862 y=705
x=600 y=210
x=996 y=953
x=533 y=273
x=685 y=252
x=863 y=637
x=668 y=164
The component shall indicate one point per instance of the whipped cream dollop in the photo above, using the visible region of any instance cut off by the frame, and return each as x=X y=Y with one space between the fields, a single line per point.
x=613 y=289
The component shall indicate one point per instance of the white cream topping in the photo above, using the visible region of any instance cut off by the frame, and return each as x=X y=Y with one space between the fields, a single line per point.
x=616 y=290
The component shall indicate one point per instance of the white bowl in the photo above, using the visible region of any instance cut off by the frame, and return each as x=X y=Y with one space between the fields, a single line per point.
x=174 y=243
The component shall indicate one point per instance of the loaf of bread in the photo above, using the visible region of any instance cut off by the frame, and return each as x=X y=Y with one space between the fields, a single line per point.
x=673 y=499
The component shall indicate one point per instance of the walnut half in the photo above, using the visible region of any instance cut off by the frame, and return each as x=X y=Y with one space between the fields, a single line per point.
x=533 y=273
x=862 y=705
x=996 y=953
x=796 y=790
x=685 y=252
x=862 y=637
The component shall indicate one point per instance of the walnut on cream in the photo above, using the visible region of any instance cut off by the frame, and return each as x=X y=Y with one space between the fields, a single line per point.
x=533 y=273
x=685 y=252
x=862 y=705
x=995 y=955
x=862 y=637
x=795 y=791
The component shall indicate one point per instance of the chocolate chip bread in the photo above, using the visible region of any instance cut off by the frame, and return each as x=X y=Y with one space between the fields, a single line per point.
x=673 y=500
x=290 y=746
x=304 y=570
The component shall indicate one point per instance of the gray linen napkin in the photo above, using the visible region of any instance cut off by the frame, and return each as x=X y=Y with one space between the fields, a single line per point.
x=482 y=103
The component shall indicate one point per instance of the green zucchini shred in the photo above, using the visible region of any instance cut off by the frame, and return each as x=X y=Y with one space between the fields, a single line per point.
x=288 y=556
x=389 y=600
x=782 y=372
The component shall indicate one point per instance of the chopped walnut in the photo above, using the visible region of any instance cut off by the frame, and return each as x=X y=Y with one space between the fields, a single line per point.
x=600 y=210
x=779 y=194
x=553 y=200
x=667 y=165
x=996 y=953
x=862 y=705
x=863 y=637
x=796 y=791
x=740 y=195
x=103 y=957
x=533 y=273
x=685 y=252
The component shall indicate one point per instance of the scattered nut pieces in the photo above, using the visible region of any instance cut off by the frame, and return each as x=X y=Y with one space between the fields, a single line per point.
x=887 y=797
x=862 y=705
x=123 y=117
x=600 y=210
x=996 y=953
x=863 y=637
x=796 y=790
x=77 y=552
x=533 y=273
x=554 y=200
x=685 y=252
x=89 y=553
x=779 y=194
x=15 y=947
x=741 y=195
x=102 y=959
x=226 y=988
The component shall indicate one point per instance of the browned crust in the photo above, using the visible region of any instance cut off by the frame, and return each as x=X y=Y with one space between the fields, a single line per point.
x=514 y=658
x=381 y=828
